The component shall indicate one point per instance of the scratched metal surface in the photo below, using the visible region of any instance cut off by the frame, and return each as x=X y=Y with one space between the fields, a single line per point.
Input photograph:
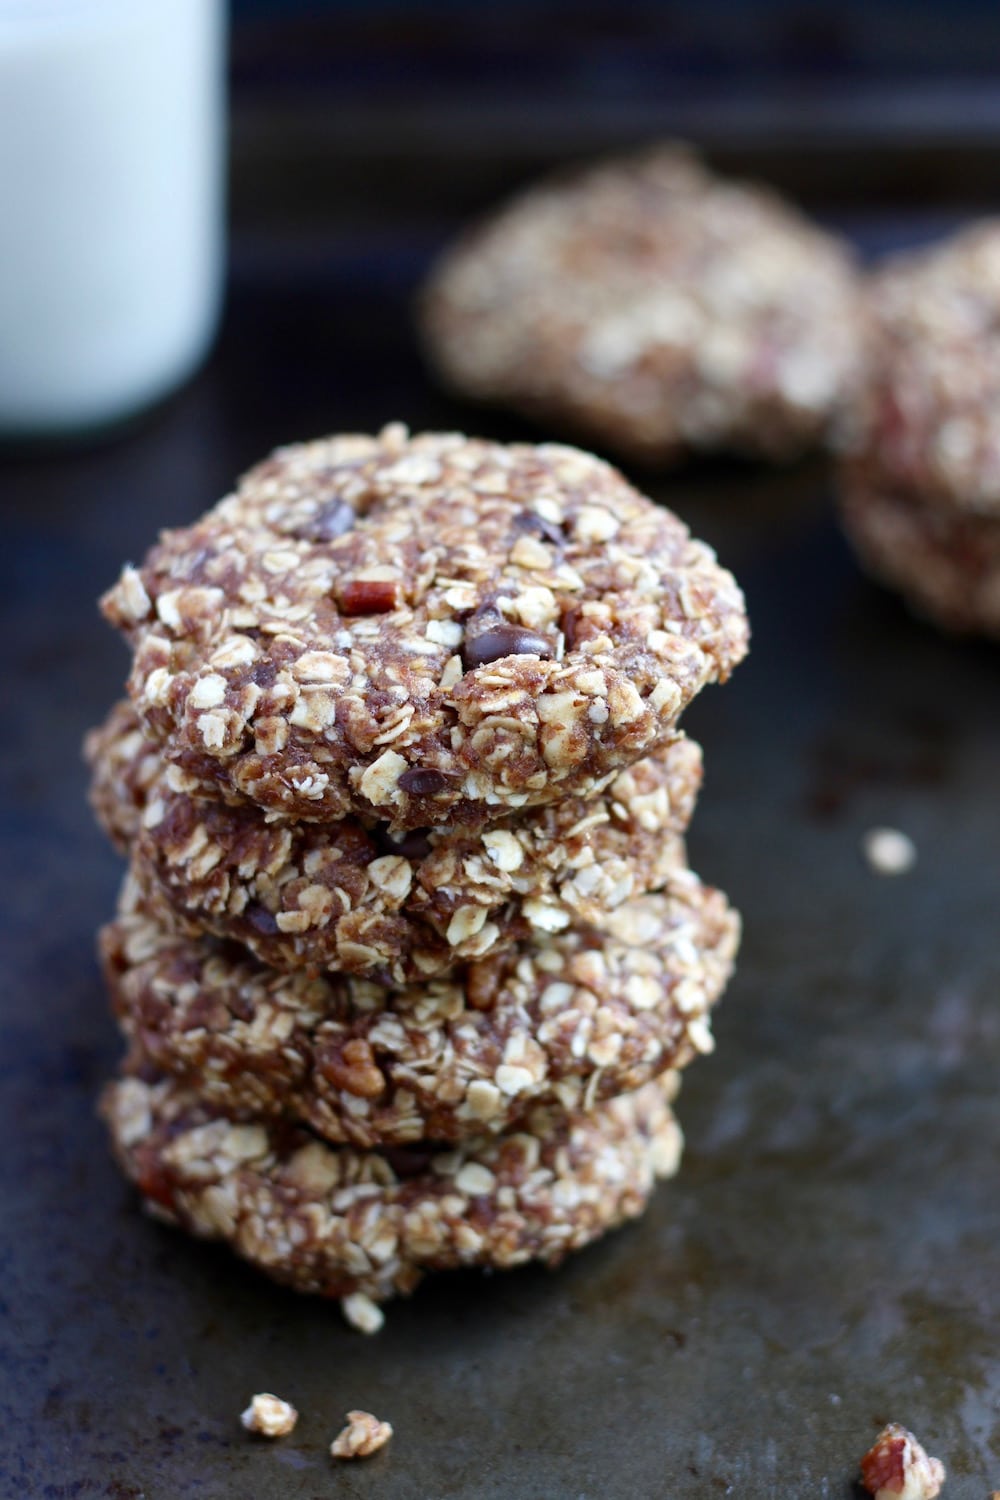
x=826 y=1260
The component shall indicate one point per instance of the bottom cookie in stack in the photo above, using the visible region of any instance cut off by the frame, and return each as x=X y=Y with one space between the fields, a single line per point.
x=347 y=1137
x=364 y=1225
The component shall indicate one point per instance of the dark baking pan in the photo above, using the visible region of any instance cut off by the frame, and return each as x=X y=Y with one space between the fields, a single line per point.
x=827 y=1259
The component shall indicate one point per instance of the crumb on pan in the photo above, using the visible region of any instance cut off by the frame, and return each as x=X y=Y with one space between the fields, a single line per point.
x=269 y=1416
x=362 y=1313
x=896 y=1467
x=363 y=1435
x=889 y=851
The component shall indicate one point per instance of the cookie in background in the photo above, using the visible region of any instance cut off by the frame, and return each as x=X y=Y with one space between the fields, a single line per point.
x=654 y=308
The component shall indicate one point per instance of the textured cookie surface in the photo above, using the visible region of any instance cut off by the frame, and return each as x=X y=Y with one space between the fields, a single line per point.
x=570 y=1018
x=339 y=1222
x=346 y=896
x=926 y=424
x=654 y=306
x=423 y=629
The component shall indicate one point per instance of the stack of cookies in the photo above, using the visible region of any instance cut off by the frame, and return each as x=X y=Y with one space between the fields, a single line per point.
x=408 y=954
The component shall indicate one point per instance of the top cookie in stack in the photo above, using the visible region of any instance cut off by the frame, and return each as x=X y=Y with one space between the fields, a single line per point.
x=404 y=794
x=423 y=630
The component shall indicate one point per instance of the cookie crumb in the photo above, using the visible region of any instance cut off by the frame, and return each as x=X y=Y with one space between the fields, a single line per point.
x=269 y=1416
x=362 y=1313
x=897 y=1468
x=363 y=1435
x=888 y=851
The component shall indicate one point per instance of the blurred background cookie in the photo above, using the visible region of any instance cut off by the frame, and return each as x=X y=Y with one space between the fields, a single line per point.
x=920 y=486
x=654 y=307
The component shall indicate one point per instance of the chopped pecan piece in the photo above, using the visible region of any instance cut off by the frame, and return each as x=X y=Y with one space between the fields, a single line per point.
x=897 y=1468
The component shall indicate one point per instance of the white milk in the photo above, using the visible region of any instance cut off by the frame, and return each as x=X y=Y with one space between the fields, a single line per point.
x=111 y=202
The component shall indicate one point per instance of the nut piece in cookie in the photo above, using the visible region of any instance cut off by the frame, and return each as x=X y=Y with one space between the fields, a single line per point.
x=653 y=306
x=501 y=627
x=269 y=1416
x=897 y=1468
x=363 y=1435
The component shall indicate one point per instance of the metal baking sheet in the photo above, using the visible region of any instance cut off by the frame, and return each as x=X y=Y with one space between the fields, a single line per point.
x=827 y=1259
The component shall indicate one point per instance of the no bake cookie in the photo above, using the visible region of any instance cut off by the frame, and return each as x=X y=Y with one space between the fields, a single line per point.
x=653 y=306
x=345 y=1223
x=423 y=629
x=921 y=477
x=346 y=895
x=570 y=1019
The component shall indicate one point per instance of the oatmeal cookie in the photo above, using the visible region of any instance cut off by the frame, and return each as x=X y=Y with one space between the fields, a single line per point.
x=570 y=1019
x=125 y=768
x=945 y=563
x=423 y=630
x=920 y=491
x=347 y=896
x=342 y=1222
x=654 y=306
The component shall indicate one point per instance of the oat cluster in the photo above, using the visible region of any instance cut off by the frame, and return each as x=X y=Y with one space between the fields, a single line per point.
x=408 y=955
x=654 y=306
x=363 y=1435
x=920 y=483
x=269 y=1416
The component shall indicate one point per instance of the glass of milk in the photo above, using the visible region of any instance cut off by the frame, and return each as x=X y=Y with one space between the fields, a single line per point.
x=111 y=204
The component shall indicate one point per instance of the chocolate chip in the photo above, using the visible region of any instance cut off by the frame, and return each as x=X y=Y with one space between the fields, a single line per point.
x=260 y=919
x=422 y=782
x=504 y=640
x=412 y=845
x=409 y=1161
x=531 y=521
x=331 y=520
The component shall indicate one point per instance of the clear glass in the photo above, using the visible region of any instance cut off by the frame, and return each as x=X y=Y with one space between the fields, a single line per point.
x=111 y=204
